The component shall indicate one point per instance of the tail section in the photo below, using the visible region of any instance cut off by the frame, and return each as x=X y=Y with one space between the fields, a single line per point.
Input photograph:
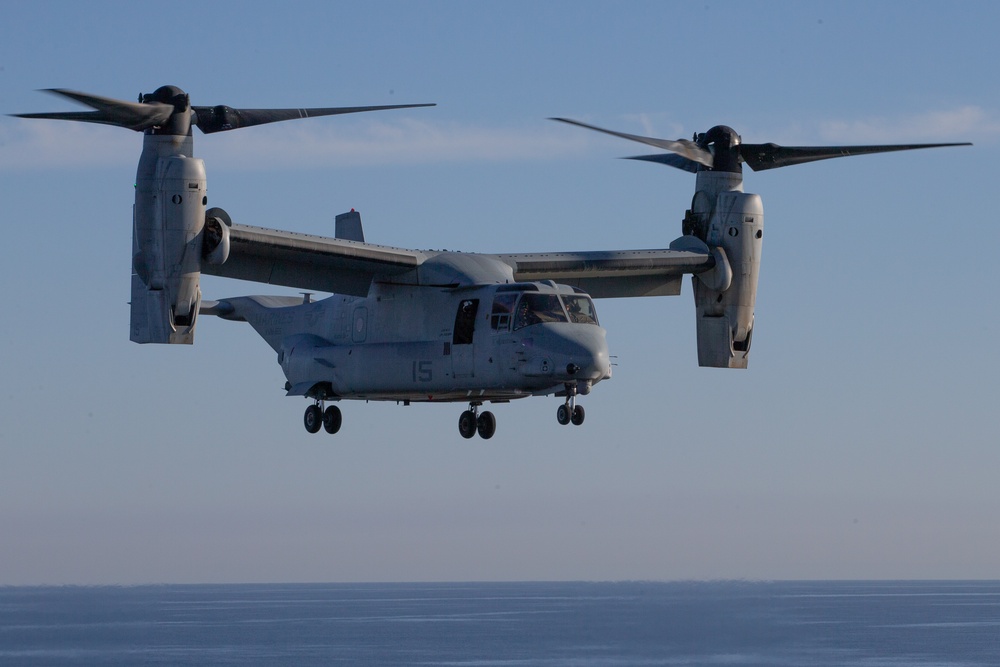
x=274 y=318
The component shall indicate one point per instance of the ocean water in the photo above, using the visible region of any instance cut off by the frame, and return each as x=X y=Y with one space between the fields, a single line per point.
x=870 y=624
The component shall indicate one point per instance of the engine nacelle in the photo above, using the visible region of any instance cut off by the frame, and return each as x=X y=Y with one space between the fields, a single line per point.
x=725 y=297
x=168 y=220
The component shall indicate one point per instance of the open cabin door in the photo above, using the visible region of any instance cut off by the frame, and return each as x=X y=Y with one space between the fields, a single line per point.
x=462 y=348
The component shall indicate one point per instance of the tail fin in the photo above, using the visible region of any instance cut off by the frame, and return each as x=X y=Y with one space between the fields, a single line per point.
x=349 y=226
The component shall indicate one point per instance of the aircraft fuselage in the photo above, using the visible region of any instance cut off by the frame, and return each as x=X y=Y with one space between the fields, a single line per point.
x=491 y=342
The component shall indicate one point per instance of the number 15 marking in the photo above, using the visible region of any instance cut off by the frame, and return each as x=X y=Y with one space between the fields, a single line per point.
x=422 y=371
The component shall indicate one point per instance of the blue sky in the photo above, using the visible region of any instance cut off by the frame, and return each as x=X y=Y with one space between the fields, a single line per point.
x=861 y=443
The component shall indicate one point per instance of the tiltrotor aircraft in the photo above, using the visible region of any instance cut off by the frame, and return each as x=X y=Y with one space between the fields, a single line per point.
x=418 y=325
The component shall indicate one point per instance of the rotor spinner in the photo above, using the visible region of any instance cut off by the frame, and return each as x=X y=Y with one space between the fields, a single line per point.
x=180 y=120
x=723 y=143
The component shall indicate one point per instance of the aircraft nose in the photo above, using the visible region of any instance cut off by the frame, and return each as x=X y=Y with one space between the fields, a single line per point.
x=590 y=360
x=580 y=352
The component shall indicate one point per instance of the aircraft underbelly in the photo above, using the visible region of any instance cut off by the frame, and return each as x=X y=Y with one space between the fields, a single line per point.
x=418 y=371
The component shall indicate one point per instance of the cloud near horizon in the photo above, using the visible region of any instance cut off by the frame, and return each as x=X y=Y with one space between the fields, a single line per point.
x=966 y=123
x=31 y=144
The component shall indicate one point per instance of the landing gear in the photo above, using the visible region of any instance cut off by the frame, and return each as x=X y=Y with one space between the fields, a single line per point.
x=472 y=421
x=316 y=417
x=562 y=414
x=570 y=411
x=332 y=419
x=486 y=425
x=313 y=418
x=467 y=424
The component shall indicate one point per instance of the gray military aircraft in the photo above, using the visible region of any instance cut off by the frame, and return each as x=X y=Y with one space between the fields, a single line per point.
x=420 y=325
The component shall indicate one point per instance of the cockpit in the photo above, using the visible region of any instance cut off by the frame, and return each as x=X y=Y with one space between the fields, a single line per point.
x=513 y=310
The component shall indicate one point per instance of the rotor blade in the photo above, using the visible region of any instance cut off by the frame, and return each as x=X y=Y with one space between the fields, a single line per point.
x=669 y=159
x=108 y=111
x=688 y=149
x=772 y=156
x=221 y=118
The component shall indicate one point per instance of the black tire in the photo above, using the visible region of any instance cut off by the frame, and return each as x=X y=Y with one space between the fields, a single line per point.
x=578 y=415
x=467 y=424
x=332 y=419
x=486 y=425
x=313 y=419
x=562 y=415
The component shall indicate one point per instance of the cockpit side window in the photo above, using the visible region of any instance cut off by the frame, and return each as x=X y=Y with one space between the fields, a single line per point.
x=503 y=307
x=580 y=309
x=536 y=308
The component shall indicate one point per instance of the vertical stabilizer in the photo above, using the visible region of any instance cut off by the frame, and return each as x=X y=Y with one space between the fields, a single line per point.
x=349 y=226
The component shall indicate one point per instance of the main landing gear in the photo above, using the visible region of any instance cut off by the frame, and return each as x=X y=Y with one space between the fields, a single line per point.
x=570 y=411
x=315 y=417
x=472 y=421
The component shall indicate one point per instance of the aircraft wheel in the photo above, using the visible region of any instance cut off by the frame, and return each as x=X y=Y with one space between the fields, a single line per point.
x=313 y=418
x=486 y=425
x=467 y=424
x=578 y=415
x=563 y=415
x=332 y=419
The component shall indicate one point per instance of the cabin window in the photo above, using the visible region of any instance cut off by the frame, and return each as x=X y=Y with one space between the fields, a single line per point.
x=465 y=322
x=503 y=308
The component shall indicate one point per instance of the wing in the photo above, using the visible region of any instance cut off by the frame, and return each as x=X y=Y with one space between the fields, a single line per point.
x=310 y=262
x=340 y=266
x=617 y=273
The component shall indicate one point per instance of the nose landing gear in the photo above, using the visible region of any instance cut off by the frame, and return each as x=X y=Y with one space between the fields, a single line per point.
x=472 y=421
x=330 y=419
x=570 y=411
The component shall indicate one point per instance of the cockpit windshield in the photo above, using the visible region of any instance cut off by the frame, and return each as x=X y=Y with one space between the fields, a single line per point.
x=536 y=308
x=580 y=309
